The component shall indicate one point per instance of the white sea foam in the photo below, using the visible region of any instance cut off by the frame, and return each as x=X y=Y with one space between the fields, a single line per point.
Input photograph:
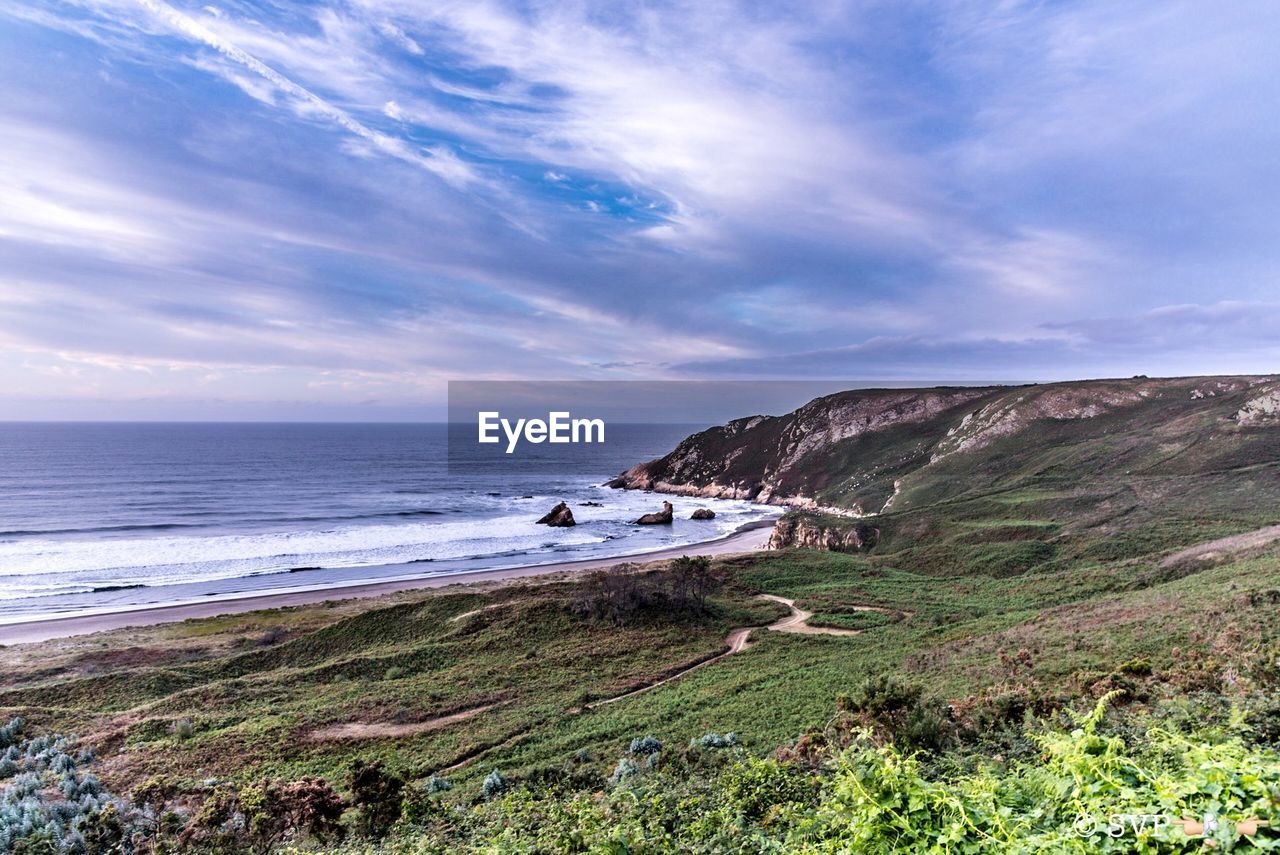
x=41 y=567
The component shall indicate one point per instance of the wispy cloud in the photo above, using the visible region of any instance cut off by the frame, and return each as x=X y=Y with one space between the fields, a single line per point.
x=350 y=201
x=439 y=161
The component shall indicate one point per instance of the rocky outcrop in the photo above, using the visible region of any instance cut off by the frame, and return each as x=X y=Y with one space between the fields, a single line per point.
x=703 y=514
x=662 y=517
x=814 y=533
x=1013 y=413
x=560 y=516
x=1262 y=408
x=866 y=452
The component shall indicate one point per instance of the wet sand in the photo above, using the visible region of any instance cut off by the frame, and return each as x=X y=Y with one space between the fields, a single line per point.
x=45 y=628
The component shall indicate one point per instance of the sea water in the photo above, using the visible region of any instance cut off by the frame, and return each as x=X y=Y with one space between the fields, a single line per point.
x=105 y=516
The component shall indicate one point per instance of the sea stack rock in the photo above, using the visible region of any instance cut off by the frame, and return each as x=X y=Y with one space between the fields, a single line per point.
x=703 y=514
x=663 y=517
x=560 y=515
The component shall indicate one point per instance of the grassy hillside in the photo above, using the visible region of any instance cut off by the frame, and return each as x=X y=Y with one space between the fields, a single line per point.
x=872 y=451
x=1131 y=555
x=237 y=699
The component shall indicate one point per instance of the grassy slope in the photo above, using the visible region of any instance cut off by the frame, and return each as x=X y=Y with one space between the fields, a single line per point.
x=253 y=709
x=1032 y=565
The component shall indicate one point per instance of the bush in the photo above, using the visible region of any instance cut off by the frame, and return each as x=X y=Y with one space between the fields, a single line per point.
x=714 y=740
x=376 y=793
x=494 y=785
x=757 y=787
x=690 y=582
x=895 y=711
x=626 y=768
x=260 y=817
x=1136 y=667
x=9 y=733
x=881 y=801
x=645 y=745
x=437 y=784
x=49 y=805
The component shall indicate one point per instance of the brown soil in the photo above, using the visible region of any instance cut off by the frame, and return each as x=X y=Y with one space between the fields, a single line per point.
x=1224 y=545
x=386 y=730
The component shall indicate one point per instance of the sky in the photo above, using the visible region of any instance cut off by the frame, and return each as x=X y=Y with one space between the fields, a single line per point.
x=326 y=210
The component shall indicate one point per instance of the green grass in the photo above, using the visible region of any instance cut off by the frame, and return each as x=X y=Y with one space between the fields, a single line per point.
x=253 y=710
x=1030 y=569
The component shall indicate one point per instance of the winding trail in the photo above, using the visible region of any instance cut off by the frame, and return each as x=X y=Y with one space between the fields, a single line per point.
x=736 y=641
x=798 y=620
x=740 y=639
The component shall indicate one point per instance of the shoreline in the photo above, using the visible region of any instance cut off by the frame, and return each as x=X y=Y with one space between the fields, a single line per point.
x=745 y=539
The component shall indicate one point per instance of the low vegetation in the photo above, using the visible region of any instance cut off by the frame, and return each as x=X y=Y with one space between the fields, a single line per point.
x=1046 y=661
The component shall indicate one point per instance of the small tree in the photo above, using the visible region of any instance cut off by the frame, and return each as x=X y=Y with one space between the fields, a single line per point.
x=377 y=794
x=692 y=581
x=314 y=809
x=614 y=595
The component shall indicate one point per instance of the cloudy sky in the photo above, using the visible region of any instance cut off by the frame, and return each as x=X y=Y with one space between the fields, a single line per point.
x=327 y=209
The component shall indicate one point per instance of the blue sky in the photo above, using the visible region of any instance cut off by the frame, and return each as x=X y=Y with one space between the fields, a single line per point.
x=327 y=210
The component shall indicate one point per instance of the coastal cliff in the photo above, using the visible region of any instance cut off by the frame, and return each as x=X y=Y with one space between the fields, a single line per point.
x=870 y=452
x=813 y=532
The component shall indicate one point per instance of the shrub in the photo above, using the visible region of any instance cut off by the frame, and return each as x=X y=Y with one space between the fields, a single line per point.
x=880 y=800
x=626 y=768
x=645 y=745
x=756 y=787
x=10 y=732
x=691 y=581
x=714 y=740
x=48 y=805
x=895 y=711
x=494 y=785
x=1136 y=667
x=437 y=784
x=376 y=793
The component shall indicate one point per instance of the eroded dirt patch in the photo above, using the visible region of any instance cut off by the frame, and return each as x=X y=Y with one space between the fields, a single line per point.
x=1225 y=546
x=387 y=730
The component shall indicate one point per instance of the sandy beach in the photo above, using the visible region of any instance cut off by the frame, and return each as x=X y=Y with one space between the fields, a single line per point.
x=44 y=629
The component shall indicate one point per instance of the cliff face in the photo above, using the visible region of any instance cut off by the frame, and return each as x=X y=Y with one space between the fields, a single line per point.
x=869 y=452
x=814 y=533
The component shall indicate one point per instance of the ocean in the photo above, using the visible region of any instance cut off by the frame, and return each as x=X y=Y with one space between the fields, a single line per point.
x=108 y=516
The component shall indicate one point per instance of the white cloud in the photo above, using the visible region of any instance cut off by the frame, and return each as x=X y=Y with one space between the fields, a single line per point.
x=440 y=161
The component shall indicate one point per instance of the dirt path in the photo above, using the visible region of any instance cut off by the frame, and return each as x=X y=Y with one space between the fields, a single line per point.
x=475 y=612
x=740 y=639
x=737 y=641
x=797 y=621
x=1234 y=543
x=385 y=730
